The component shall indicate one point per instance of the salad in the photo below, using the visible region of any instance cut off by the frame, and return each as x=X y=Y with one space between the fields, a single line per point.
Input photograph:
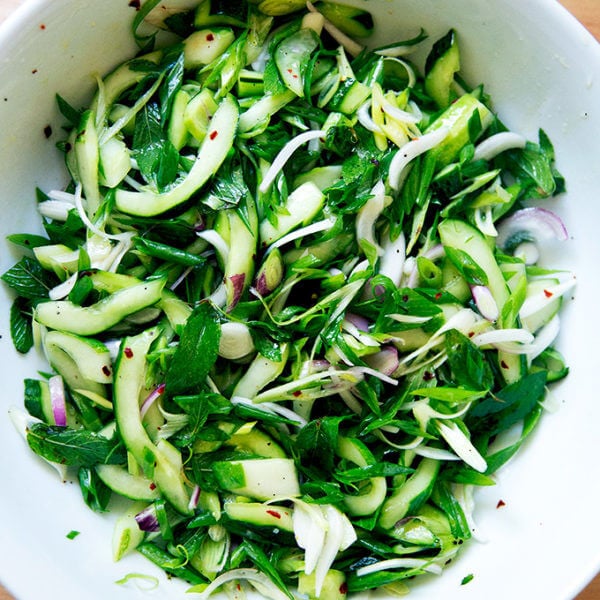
x=292 y=300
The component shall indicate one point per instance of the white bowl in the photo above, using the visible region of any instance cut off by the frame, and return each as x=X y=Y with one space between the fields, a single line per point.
x=542 y=69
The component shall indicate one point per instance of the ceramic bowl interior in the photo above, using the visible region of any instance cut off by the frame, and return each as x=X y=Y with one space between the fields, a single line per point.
x=542 y=69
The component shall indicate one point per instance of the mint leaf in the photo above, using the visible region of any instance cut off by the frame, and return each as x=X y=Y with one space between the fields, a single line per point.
x=78 y=447
x=196 y=353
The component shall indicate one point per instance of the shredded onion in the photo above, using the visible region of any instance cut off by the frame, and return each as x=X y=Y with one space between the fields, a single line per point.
x=400 y=563
x=317 y=227
x=391 y=263
x=461 y=444
x=55 y=209
x=495 y=144
x=258 y=580
x=216 y=241
x=285 y=154
x=410 y=151
x=62 y=290
x=363 y=115
x=485 y=302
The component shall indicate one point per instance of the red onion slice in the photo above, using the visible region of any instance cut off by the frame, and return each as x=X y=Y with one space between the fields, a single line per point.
x=541 y=223
x=385 y=361
x=147 y=520
x=58 y=400
x=151 y=399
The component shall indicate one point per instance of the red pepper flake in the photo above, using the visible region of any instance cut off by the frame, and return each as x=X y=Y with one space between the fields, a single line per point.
x=213 y=135
x=471 y=334
x=210 y=37
x=34 y=71
x=153 y=486
x=137 y=4
x=239 y=587
x=42 y=26
x=500 y=504
x=128 y=352
x=428 y=376
x=438 y=295
x=274 y=513
x=290 y=71
x=297 y=393
x=344 y=588
x=548 y=294
x=503 y=364
x=106 y=370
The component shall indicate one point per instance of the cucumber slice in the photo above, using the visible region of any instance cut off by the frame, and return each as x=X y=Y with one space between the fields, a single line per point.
x=135 y=487
x=89 y=320
x=91 y=357
x=204 y=46
x=261 y=478
x=266 y=515
x=211 y=154
x=457 y=118
x=161 y=462
x=409 y=497
x=442 y=63
x=301 y=207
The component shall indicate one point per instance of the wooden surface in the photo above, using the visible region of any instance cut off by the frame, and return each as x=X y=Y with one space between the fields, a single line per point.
x=588 y=13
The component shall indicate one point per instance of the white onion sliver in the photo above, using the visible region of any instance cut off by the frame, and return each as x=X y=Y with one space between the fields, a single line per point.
x=285 y=154
x=216 y=241
x=56 y=210
x=392 y=261
x=540 y=300
x=399 y=563
x=435 y=453
x=459 y=442
x=485 y=302
x=62 y=290
x=317 y=227
x=410 y=151
x=259 y=580
x=398 y=114
x=498 y=143
x=502 y=336
x=88 y=223
x=364 y=118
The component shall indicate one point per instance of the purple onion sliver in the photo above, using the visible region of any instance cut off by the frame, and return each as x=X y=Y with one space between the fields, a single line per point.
x=237 y=283
x=541 y=223
x=151 y=399
x=194 y=498
x=147 y=520
x=361 y=323
x=385 y=361
x=58 y=400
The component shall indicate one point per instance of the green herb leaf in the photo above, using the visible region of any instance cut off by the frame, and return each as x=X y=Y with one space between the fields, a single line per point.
x=74 y=446
x=196 y=353
x=21 y=330
x=29 y=279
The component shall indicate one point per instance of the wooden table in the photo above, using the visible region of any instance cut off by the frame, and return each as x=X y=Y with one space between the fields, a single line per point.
x=588 y=12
